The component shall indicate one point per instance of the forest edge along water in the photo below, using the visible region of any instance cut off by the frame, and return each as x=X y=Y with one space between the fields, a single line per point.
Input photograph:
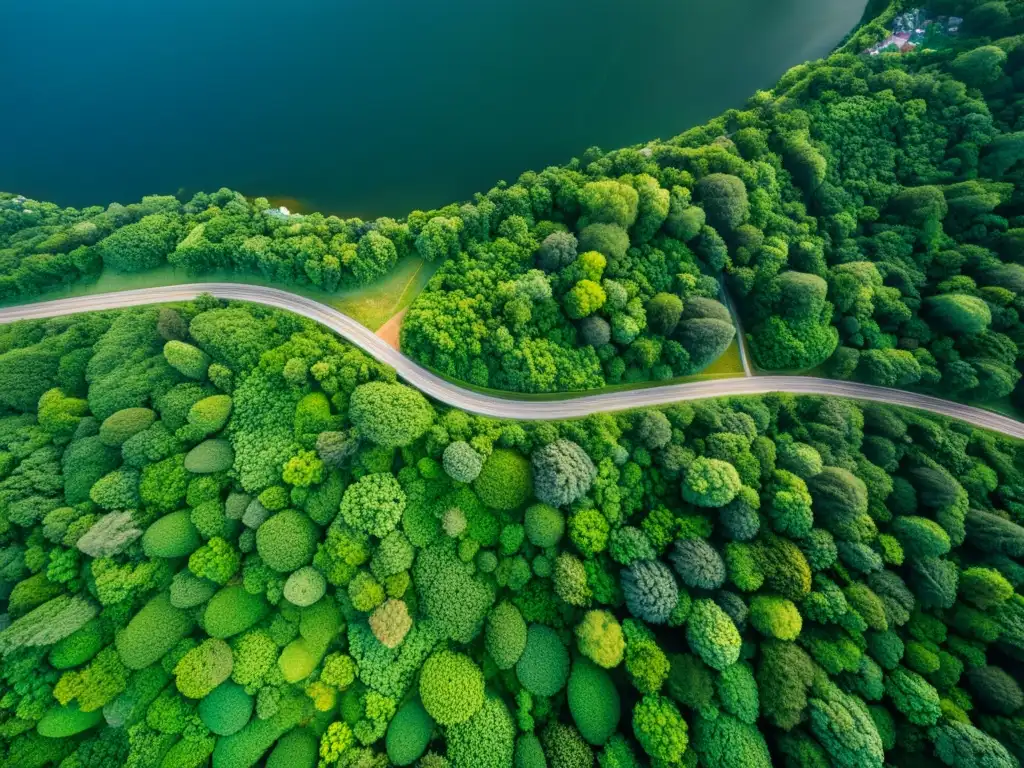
x=369 y=108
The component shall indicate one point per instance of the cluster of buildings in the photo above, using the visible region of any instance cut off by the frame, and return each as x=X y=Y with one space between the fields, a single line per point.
x=909 y=30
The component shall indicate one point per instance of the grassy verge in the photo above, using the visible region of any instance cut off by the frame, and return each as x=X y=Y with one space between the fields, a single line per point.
x=372 y=305
x=729 y=364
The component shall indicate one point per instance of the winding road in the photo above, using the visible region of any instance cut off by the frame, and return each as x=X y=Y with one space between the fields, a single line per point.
x=509 y=407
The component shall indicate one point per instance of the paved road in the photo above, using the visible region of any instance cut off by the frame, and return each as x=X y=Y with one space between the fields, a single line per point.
x=506 y=407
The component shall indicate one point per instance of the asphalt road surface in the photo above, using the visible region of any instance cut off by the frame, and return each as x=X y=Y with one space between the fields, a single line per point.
x=510 y=407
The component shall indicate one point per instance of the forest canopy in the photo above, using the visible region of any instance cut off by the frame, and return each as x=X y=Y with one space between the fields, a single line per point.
x=283 y=553
x=228 y=538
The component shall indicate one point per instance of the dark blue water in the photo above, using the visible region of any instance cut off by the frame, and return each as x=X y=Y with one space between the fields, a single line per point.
x=367 y=106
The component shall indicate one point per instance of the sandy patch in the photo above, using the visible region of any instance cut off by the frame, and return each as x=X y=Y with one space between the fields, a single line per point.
x=390 y=330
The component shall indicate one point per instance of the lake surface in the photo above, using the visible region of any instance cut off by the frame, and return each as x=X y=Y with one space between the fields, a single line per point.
x=368 y=107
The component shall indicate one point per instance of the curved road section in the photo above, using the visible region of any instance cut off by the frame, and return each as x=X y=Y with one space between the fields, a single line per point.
x=506 y=407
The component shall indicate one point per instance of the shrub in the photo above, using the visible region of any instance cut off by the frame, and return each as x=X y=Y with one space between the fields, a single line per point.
x=217 y=560
x=913 y=696
x=710 y=482
x=313 y=416
x=565 y=748
x=393 y=556
x=171 y=536
x=544 y=666
x=704 y=339
x=920 y=537
x=557 y=250
x=164 y=485
x=607 y=239
x=116 y=490
x=737 y=690
x=408 y=734
x=373 y=504
x=449 y=594
x=108 y=536
x=232 y=611
x=504 y=482
x=742 y=566
x=571 y=580
x=739 y=518
x=461 y=462
x=593 y=702
x=725 y=742
x=985 y=587
x=303 y=470
x=689 y=681
x=486 y=740
x=529 y=753
x=304 y=586
x=118 y=427
x=84 y=462
x=244 y=748
x=298 y=748
x=663 y=312
x=203 y=668
x=868 y=605
x=609 y=201
x=724 y=197
x=190 y=591
x=62 y=722
x=451 y=687
x=141 y=245
x=775 y=617
x=287 y=541
x=390 y=415
x=660 y=729
x=505 y=635
x=298 y=660
x=52 y=617
x=629 y=544
x=959 y=313
x=650 y=591
x=684 y=221
x=599 y=638
x=210 y=414
x=275 y=498
x=255 y=653
x=712 y=635
x=78 y=647
x=187 y=360
x=210 y=456
x=584 y=299
x=562 y=473
x=390 y=623
x=801 y=459
x=698 y=564
x=544 y=525
x=152 y=632
x=995 y=690
x=595 y=330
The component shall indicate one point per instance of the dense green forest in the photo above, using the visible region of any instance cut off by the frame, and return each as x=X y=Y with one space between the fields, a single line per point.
x=226 y=536
x=865 y=215
x=43 y=246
